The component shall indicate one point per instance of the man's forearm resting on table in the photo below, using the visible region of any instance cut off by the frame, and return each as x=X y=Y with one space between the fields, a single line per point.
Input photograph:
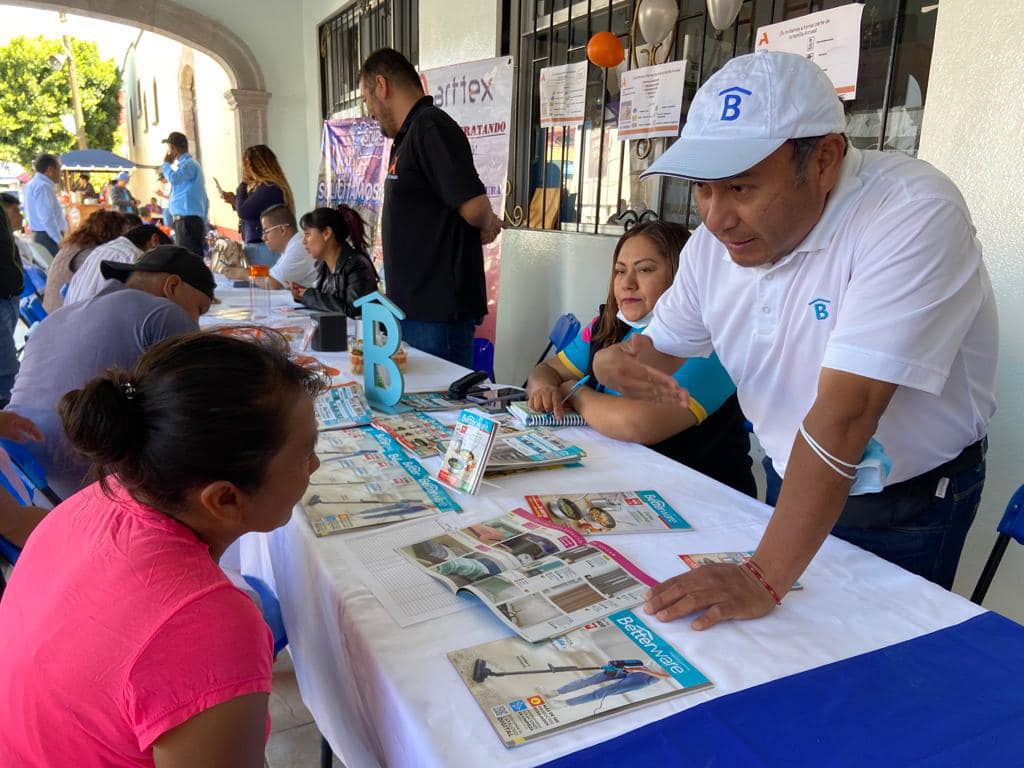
x=844 y=417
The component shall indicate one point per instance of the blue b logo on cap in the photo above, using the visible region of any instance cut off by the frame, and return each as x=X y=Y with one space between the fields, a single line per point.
x=731 y=104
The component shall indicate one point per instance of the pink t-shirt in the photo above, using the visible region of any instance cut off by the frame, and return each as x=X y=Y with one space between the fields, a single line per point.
x=117 y=626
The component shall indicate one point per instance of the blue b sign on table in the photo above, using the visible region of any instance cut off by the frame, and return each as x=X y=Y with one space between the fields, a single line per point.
x=383 y=390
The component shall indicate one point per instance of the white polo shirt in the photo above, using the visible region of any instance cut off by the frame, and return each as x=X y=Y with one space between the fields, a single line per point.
x=295 y=264
x=889 y=285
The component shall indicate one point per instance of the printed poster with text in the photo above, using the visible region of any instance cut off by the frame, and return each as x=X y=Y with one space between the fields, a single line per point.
x=478 y=96
x=831 y=39
x=352 y=169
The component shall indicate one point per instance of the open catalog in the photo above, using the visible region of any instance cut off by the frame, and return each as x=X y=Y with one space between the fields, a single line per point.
x=608 y=666
x=383 y=485
x=342 y=407
x=540 y=579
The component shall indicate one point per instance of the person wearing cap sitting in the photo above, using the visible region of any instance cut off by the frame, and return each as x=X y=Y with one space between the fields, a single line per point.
x=845 y=294
x=161 y=295
x=121 y=199
x=87 y=280
x=188 y=204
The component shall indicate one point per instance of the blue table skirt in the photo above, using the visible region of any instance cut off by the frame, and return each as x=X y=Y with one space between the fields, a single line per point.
x=951 y=698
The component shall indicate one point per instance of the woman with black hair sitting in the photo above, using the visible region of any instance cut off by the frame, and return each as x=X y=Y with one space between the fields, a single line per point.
x=336 y=240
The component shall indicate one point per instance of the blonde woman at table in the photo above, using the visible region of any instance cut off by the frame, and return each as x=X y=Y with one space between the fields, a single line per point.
x=336 y=240
x=124 y=642
x=710 y=436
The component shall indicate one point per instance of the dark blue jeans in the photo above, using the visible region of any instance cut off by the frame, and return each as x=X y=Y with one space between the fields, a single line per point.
x=908 y=524
x=450 y=341
x=8 y=352
x=46 y=241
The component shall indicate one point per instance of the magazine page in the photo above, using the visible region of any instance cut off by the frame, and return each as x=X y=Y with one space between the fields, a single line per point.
x=341 y=407
x=367 y=489
x=419 y=433
x=609 y=512
x=460 y=557
x=728 y=558
x=433 y=401
x=611 y=665
x=464 y=460
x=349 y=442
x=563 y=591
x=536 y=448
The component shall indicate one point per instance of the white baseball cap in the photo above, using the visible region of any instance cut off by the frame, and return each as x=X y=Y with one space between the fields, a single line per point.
x=747 y=110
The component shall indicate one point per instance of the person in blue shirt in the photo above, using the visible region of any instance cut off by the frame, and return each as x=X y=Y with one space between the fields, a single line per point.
x=710 y=436
x=188 y=204
x=45 y=217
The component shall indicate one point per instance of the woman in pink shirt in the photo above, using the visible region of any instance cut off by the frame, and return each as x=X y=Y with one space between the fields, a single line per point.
x=122 y=642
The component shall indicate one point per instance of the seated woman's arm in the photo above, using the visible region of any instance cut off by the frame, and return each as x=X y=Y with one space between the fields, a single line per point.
x=544 y=386
x=635 y=421
x=229 y=735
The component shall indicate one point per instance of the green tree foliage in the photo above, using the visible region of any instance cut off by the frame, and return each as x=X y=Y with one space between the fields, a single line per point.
x=34 y=97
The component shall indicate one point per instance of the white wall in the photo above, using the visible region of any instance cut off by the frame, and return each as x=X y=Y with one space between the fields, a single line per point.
x=282 y=42
x=973 y=131
x=452 y=31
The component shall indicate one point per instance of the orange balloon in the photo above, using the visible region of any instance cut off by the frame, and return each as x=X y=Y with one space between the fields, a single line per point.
x=605 y=50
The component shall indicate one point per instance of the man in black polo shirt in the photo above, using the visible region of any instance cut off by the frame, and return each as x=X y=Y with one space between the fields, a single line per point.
x=436 y=213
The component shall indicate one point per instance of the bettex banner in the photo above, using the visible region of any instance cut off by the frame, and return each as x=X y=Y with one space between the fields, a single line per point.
x=478 y=96
x=353 y=165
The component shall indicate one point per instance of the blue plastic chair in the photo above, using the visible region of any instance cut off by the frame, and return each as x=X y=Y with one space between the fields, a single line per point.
x=1010 y=527
x=31 y=471
x=35 y=277
x=270 y=607
x=562 y=332
x=483 y=357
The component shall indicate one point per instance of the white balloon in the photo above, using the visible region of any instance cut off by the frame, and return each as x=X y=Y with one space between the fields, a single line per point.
x=722 y=13
x=657 y=18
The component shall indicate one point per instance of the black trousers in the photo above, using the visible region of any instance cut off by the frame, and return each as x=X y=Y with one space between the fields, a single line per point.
x=190 y=233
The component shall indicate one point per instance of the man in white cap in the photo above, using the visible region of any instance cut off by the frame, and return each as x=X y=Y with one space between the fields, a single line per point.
x=844 y=292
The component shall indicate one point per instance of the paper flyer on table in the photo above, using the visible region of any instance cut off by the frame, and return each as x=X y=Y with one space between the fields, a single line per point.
x=417 y=432
x=609 y=512
x=611 y=665
x=465 y=458
x=831 y=39
x=563 y=95
x=539 y=579
x=651 y=101
x=533 y=449
x=341 y=407
x=697 y=559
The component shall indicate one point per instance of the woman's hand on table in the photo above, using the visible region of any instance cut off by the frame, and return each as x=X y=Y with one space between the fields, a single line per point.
x=721 y=591
x=547 y=398
x=297 y=290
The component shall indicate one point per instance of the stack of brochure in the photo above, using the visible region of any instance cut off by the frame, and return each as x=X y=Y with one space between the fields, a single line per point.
x=424 y=435
x=609 y=512
x=355 y=488
x=480 y=446
x=342 y=407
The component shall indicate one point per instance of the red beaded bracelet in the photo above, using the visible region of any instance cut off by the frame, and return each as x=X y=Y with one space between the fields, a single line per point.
x=752 y=567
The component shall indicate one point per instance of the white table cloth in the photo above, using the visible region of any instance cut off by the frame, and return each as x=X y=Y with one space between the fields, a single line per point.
x=387 y=696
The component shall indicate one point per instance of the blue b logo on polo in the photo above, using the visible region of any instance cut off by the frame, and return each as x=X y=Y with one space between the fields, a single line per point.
x=732 y=101
x=820 y=307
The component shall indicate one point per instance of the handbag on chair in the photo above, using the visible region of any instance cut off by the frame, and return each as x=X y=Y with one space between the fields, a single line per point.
x=226 y=254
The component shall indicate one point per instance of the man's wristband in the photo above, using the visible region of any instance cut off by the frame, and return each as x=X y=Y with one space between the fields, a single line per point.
x=751 y=566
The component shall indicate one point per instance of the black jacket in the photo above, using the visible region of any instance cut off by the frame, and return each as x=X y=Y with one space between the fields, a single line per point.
x=353 y=277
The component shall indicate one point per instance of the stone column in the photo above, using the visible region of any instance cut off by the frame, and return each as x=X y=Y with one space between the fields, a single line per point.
x=250 y=108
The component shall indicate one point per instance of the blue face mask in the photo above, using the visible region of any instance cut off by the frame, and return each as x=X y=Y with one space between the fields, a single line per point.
x=636 y=325
x=868 y=475
x=875 y=465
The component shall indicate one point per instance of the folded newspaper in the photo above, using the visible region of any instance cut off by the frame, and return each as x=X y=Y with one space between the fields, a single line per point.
x=363 y=489
x=609 y=666
x=609 y=512
x=540 y=579
x=342 y=407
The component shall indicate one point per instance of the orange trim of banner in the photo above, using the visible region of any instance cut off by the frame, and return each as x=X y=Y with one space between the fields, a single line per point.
x=846 y=89
x=650 y=129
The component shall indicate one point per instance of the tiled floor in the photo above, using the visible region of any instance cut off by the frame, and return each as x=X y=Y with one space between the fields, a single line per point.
x=294 y=738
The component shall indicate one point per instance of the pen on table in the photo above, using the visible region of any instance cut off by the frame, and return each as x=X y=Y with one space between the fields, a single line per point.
x=575 y=388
